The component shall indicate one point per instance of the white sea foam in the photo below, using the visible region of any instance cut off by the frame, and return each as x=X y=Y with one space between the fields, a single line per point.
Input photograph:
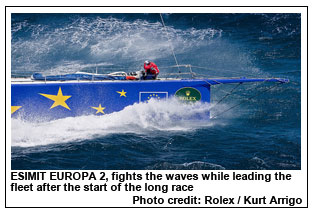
x=142 y=118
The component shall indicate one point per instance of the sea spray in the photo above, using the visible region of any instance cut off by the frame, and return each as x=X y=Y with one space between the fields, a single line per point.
x=140 y=118
x=81 y=41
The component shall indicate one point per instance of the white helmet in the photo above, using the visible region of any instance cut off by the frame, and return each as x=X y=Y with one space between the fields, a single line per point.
x=147 y=62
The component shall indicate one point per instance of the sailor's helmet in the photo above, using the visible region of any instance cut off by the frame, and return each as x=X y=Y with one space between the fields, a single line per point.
x=147 y=62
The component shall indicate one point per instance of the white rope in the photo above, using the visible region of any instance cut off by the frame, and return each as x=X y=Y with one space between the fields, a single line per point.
x=162 y=20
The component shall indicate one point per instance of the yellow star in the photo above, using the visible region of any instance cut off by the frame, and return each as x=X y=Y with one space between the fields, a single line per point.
x=122 y=93
x=15 y=108
x=58 y=99
x=99 y=109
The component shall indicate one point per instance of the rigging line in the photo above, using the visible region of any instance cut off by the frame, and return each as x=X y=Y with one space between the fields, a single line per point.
x=229 y=93
x=162 y=20
x=218 y=114
x=218 y=70
x=212 y=83
x=247 y=90
x=175 y=66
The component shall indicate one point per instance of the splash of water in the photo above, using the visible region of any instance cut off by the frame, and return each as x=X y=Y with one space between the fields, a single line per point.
x=97 y=39
x=142 y=118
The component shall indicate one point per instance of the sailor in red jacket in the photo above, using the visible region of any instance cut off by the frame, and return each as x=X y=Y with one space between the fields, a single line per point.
x=151 y=70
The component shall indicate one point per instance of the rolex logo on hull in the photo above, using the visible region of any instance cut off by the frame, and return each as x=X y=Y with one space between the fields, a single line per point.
x=188 y=94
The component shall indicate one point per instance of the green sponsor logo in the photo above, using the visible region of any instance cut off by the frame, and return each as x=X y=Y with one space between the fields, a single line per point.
x=188 y=94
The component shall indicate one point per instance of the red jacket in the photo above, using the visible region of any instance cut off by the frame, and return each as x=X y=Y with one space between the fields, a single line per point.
x=151 y=68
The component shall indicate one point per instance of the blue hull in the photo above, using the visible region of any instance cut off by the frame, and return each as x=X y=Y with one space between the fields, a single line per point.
x=43 y=101
x=48 y=101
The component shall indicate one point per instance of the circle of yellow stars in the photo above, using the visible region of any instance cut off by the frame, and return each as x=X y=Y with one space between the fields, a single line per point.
x=153 y=96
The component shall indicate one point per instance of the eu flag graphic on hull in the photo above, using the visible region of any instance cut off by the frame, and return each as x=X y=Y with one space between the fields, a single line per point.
x=145 y=96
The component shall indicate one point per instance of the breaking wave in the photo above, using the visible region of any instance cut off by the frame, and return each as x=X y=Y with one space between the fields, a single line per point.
x=141 y=118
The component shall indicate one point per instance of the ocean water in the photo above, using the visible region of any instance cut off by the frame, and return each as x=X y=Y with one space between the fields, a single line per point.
x=261 y=132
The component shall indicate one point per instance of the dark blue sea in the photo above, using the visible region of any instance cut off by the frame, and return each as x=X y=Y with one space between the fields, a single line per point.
x=261 y=132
